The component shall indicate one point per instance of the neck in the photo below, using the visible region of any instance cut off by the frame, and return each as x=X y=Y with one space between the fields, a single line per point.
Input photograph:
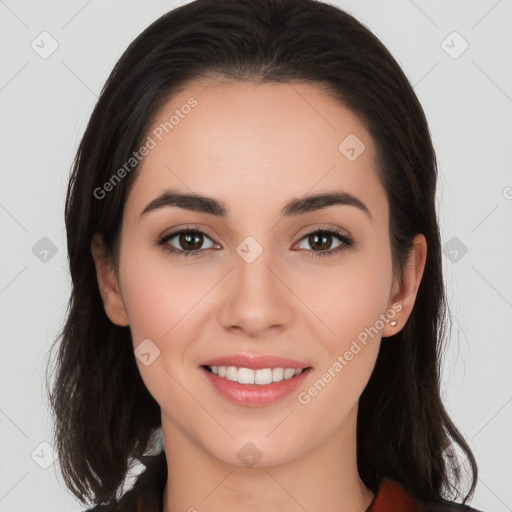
x=325 y=478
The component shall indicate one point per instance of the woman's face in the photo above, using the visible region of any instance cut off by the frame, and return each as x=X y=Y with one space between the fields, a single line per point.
x=257 y=280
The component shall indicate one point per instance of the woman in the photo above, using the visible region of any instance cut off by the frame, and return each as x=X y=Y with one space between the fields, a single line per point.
x=256 y=270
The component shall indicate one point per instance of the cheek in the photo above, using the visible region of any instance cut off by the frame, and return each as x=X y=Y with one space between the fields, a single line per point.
x=157 y=293
x=158 y=299
x=349 y=297
x=351 y=306
x=350 y=303
x=165 y=304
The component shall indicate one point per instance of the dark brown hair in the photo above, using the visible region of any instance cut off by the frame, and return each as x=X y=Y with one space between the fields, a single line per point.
x=104 y=415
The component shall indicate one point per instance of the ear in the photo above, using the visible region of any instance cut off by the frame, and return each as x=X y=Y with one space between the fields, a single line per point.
x=403 y=295
x=107 y=283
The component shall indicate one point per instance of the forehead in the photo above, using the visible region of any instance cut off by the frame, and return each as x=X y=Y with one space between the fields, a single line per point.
x=265 y=142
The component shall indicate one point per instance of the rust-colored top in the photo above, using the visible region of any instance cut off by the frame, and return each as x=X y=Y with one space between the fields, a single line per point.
x=391 y=497
x=147 y=494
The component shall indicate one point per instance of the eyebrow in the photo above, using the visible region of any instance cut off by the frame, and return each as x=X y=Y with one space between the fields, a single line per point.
x=297 y=206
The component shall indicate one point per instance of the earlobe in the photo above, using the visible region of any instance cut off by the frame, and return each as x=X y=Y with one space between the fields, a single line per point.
x=403 y=300
x=107 y=283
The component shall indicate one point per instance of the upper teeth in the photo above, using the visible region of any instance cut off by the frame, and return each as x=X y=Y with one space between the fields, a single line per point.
x=249 y=376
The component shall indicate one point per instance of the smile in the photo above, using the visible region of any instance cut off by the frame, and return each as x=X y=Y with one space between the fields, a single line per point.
x=258 y=377
x=255 y=388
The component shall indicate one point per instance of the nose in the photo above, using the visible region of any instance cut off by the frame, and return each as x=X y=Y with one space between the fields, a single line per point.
x=256 y=297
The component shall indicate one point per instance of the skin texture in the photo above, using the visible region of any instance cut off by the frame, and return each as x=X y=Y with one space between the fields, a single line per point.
x=255 y=147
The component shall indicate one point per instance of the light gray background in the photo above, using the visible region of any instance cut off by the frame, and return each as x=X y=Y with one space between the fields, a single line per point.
x=45 y=104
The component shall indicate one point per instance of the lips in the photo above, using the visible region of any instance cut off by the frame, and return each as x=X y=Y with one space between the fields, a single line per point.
x=253 y=395
x=256 y=362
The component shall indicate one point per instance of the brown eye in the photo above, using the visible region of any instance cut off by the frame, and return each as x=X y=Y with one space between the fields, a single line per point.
x=185 y=242
x=321 y=242
x=190 y=241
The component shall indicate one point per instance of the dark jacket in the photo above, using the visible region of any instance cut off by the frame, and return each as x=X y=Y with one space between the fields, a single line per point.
x=147 y=494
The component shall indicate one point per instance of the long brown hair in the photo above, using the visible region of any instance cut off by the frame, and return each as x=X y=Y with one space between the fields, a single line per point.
x=104 y=415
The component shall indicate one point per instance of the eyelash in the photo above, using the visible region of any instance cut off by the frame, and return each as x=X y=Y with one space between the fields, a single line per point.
x=347 y=242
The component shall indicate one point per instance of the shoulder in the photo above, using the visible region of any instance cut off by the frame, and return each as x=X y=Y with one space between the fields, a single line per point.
x=448 y=507
x=131 y=501
x=147 y=493
x=393 y=496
